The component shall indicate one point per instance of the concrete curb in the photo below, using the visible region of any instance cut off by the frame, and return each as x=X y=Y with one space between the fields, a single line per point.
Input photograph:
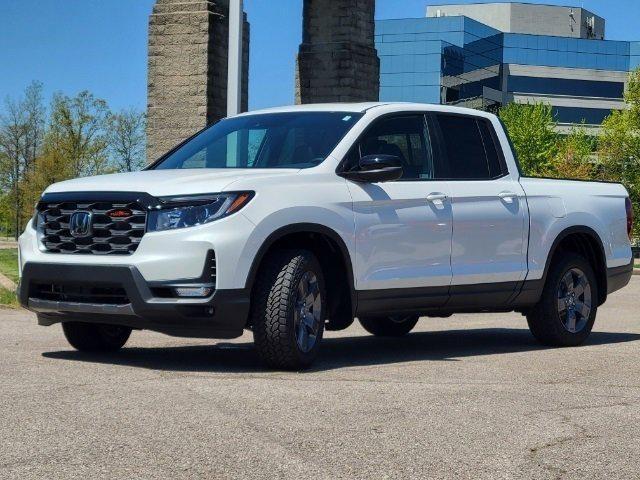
x=7 y=283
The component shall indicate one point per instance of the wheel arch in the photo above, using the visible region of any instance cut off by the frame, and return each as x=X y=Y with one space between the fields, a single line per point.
x=313 y=236
x=585 y=241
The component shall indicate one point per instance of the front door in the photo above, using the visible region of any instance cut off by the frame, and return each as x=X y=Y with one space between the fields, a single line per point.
x=403 y=228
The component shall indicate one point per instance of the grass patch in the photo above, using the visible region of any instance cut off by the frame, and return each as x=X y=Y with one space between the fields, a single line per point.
x=9 y=268
x=7 y=298
x=9 y=263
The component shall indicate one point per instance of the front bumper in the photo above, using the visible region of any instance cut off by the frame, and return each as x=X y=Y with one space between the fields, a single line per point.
x=170 y=254
x=224 y=314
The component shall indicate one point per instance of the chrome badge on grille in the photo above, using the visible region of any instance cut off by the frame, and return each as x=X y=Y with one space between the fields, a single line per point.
x=80 y=224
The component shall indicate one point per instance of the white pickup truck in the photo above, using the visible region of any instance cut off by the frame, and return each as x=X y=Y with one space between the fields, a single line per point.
x=294 y=220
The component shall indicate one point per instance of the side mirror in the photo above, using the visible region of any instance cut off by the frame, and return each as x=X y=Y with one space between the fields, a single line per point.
x=375 y=169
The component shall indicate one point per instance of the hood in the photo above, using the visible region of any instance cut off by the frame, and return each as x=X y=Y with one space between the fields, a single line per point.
x=160 y=183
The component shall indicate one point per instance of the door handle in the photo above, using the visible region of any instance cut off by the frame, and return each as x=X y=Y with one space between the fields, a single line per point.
x=508 y=197
x=436 y=197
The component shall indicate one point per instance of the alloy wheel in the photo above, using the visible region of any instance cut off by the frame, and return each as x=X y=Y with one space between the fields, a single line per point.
x=308 y=312
x=574 y=300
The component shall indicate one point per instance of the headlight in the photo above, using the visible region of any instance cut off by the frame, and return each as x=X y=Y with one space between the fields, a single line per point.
x=190 y=211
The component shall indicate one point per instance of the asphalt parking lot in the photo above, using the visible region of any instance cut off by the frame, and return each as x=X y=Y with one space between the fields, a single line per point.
x=467 y=397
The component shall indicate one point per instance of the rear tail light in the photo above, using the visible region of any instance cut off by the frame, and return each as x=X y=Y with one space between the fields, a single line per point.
x=629 y=208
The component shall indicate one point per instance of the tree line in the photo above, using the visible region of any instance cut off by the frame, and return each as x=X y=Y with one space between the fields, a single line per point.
x=72 y=136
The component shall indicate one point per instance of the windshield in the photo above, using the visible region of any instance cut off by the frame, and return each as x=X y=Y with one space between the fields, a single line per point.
x=277 y=140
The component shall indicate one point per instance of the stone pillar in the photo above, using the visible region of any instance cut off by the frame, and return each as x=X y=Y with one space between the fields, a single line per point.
x=337 y=61
x=187 y=83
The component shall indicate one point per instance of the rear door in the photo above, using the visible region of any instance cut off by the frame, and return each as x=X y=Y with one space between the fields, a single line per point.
x=489 y=237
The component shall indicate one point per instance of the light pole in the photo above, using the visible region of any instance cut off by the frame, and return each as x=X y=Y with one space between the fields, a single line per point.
x=234 y=82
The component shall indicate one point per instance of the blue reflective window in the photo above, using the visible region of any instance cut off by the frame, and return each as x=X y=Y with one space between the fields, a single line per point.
x=466 y=90
x=563 y=86
x=420 y=94
x=410 y=63
x=592 y=116
x=409 y=79
x=554 y=58
x=415 y=54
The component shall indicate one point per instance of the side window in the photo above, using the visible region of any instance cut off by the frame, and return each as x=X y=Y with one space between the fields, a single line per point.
x=405 y=137
x=464 y=147
x=492 y=149
x=352 y=159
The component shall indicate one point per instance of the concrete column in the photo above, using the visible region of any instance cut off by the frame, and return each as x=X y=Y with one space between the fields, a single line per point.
x=234 y=84
x=188 y=63
x=337 y=61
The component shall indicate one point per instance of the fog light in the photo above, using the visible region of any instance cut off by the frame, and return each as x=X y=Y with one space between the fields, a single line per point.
x=193 y=292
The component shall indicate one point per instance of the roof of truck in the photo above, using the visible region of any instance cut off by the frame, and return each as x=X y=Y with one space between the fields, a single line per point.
x=363 y=107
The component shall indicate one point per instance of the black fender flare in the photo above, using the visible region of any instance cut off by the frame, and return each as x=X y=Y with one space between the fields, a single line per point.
x=304 y=228
x=582 y=229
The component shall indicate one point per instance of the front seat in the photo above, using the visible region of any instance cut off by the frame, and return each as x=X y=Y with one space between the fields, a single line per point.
x=409 y=171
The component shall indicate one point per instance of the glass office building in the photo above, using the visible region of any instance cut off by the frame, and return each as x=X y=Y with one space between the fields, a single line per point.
x=458 y=60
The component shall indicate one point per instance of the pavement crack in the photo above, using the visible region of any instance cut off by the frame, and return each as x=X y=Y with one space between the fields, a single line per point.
x=536 y=452
x=584 y=407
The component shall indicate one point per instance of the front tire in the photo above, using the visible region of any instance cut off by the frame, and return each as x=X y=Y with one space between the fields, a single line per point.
x=394 y=326
x=288 y=309
x=92 y=337
x=567 y=309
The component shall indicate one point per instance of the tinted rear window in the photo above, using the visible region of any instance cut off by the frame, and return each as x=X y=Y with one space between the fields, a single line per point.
x=469 y=155
x=491 y=149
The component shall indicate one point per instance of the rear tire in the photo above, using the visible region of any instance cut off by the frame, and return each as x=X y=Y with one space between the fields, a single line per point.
x=395 y=326
x=92 y=337
x=567 y=309
x=288 y=309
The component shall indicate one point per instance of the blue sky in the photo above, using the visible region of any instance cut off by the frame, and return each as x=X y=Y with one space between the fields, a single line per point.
x=101 y=45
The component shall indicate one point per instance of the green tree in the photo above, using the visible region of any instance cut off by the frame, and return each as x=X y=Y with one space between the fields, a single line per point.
x=6 y=199
x=77 y=132
x=619 y=146
x=79 y=137
x=532 y=131
x=35 y=117
x=126 y=140
x=574 y=157
x=13 y=135
x=50 y=167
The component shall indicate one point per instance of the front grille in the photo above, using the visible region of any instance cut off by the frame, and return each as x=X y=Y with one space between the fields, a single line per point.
x=109 y=235
x=80 y=293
